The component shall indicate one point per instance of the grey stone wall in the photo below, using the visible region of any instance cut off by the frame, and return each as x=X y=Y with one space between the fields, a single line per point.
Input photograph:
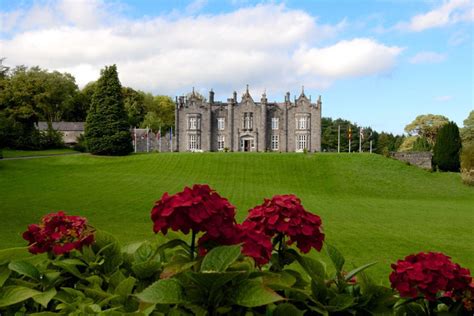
x=419 y=159
x=235 y=133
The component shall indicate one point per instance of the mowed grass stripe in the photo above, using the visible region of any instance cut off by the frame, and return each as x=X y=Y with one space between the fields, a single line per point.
x=373 y=208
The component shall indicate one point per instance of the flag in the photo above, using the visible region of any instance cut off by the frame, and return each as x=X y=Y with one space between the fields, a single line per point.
x=350 y=133
x=361 y=133
x=158 y=134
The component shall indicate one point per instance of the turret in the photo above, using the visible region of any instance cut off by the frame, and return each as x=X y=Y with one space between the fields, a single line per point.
x=211 y=97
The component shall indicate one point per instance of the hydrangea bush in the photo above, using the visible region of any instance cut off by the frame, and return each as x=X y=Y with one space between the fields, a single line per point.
x=256 y=267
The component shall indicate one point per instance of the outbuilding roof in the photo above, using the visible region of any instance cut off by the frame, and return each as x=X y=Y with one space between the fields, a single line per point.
x=62 y=126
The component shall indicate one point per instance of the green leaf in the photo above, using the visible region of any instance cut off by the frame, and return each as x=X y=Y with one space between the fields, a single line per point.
x=287 y=309
x=209 y=280
x=4 y=274
x=279 y=280
x=146 y=269
x=252 y=293
x=72 y=269
x=319 y=289
x=25 y=268
x=173 y=244
x=220 y=258
x=315 y=268
x=14 y=294
x=357 y=270
x=45 y=297
x=143 y=253
x=74 y=262
x=340 y=302
x=125 y=287
x=109 y=248
x=167 y=291
x=336 y=257
x=7 y=255
x=175 y=268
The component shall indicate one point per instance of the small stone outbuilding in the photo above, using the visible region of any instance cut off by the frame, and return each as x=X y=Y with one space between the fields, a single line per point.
x=71 y=130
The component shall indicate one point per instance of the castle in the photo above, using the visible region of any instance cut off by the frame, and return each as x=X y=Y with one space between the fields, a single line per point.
x=249 y=126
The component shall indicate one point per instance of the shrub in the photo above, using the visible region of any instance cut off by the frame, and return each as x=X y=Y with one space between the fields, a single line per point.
x=58 y=233
x=447 y=148
x=467 y=163
x=81 y=144
x=107 y=131
x=50 y=138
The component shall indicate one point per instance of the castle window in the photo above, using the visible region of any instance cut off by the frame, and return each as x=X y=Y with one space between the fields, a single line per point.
x=194 y=123
x=194 y=142
x=301 y=142
x=275 y=142
x=220 y=142
x=248 y=120
x=302 y=122
x=220 y=123
x=275 y=122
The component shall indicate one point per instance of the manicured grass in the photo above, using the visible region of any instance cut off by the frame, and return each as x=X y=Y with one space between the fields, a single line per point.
x=10 y=153
x=373 y=208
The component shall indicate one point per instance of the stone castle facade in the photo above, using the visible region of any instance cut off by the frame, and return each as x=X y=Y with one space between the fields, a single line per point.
x=248 y=126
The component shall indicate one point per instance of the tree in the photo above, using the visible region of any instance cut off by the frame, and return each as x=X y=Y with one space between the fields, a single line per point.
x=160 y=112
x=447 y=148
x=31 y=94
x=467 y=132
x=134 y=103
x=427 y=126
x=421 y=144
x=57 y=96
x=107 y=131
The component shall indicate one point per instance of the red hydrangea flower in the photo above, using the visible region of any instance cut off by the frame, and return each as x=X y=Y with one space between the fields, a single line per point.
x=255 y=243
x=429 y=275
x=284 y=214
x=200 y=209
x=58 y=233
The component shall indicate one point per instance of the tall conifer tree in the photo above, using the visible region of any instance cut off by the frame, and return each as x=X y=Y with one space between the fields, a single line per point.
x=447 y=148
x=107 y=131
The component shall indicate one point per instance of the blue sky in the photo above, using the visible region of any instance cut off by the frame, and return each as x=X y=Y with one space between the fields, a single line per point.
x=376 y=63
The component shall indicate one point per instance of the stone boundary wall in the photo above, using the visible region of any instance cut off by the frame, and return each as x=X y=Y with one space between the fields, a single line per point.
x=420 y=159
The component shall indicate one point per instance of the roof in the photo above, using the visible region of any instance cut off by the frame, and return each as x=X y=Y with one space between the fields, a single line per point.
x=62 y=126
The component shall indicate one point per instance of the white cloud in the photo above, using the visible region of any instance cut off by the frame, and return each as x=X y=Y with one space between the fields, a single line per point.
x=195 y=6
x=427 y=58
x=450 y=12
x=267 y=45
x=357 y=57
x=443 y=98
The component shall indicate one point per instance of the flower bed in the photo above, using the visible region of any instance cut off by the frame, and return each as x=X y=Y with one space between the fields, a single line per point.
x=257 y=267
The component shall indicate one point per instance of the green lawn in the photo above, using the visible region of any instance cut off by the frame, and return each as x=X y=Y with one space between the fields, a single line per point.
x=10 y=153
x=373 y=208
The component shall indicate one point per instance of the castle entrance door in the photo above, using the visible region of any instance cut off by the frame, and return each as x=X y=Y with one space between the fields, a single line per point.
x=247 y=144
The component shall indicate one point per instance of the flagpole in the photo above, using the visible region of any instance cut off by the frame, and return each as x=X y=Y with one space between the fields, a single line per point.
x=339 y=138
x=159 y=131
x=370 y=146
x=350 y=138
x=171 y=139
x=147 y=140
x=360 y=139
x=135 y=139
